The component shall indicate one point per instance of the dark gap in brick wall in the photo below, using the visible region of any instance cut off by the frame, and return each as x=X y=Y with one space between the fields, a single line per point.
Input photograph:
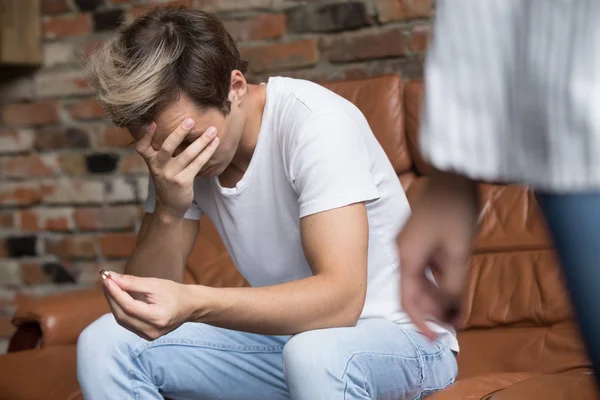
x=327 y=17
x=88 y=5
x=22 y=246
x=57 y=273
x=101 y=163
x=108 y=20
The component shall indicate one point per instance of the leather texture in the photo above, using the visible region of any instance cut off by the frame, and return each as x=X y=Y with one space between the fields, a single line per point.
x=63 y=317
x=518 y=340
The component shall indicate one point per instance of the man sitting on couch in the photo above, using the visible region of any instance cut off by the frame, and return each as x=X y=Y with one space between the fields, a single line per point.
x=308 y=206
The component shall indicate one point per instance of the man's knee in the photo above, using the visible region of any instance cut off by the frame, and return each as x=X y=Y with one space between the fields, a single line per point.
x=101 y=343
x=314 y=356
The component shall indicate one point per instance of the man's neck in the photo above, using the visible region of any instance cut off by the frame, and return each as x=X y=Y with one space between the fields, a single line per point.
x=256 y=105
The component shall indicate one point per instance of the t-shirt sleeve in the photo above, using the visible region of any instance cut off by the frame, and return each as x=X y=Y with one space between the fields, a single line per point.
x=330 y=165
x=194 y=212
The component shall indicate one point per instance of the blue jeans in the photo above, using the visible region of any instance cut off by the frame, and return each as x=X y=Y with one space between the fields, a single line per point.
x=376 y=359
x=574 y=221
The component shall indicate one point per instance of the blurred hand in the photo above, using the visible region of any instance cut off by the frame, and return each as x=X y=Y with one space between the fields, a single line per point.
x=162 y=305
x=438 y=235
x=173 y=177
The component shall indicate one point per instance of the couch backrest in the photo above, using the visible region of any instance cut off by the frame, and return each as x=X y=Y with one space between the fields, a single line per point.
x=517 y=315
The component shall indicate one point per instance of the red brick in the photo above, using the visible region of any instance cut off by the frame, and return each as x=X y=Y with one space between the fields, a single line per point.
x=117 y=137
x=29 y=220
x=3 y=249
x=90 y=47
x=51 y=7
x=57 y=219
x=6 y=327
x=51 y=138
x=72 y=164
x=33 y=273
x=62 y=83
x=16 y=141
x=115 y=217
x=142 y=8
x=7 y=220
x=394 y=10
x=301 y=53
x=42 y=112
x=133 y=163
x=31 y=166
x=117 y=245
x=86 y=109
x=262 y=26
x=364 y=45
x=232 y=5
x=419 y=38
x=72 y=192
x=78 y=246
x=20 y=194
x=66 y=25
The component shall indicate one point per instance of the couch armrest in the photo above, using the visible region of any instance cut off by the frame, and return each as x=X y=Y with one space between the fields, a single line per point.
x=480 y=387
x=56 y=320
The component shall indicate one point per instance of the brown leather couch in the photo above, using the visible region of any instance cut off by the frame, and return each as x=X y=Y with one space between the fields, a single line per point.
x=518 y=341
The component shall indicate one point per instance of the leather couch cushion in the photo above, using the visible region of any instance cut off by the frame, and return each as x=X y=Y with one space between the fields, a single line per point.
x=521 y=288
x=572 y=386
x=552 y=349
x=209 y=263
x=413 y=97
x=47 y=374
x=481 y=387
x=381 y=101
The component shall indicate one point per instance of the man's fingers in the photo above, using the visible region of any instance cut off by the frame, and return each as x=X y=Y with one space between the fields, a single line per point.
x=131 y=307
x=126 y=321
x=197 y=163
x=194 y=150
x=132 y=283
x=174 y=140
x=144 y=145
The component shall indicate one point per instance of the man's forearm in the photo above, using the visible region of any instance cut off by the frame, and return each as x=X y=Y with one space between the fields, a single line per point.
x=158 y=252
x=312 y=303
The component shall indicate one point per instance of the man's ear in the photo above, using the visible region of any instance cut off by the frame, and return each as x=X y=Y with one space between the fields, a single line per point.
x=238 y=88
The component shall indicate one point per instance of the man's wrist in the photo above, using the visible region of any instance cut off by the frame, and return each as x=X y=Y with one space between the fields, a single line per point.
x=201 y=301
x=167 y=217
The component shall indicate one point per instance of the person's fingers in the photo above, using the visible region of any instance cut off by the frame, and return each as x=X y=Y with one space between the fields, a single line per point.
x=131 y=307
x=132 y=283
x=144 y=145
x=197 y=163
x=193 y=150
x=451 y=282
x=174 y=140
x=128 y=322
x=414 y=303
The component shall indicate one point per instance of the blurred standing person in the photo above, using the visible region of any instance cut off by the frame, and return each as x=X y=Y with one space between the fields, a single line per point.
x=512 y=95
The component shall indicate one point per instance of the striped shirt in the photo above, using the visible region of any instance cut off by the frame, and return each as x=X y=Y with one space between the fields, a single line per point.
x=512 y=92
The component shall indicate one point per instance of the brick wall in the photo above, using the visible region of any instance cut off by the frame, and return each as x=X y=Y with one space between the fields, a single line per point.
x=71 y=187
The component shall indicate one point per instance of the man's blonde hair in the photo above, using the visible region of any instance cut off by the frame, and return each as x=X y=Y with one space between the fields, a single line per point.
x=165 y=52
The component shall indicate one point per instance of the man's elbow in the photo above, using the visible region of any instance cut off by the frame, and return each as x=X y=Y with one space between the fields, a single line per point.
x=353 y=306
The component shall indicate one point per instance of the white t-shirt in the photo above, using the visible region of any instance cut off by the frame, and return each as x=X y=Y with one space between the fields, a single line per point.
x=315 y=152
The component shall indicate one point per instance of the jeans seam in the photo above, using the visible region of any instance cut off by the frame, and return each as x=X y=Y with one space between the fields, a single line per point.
x=370 y=353
x=434 y=389
x=195 y=343
x=131 y=375
x=419 y=356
